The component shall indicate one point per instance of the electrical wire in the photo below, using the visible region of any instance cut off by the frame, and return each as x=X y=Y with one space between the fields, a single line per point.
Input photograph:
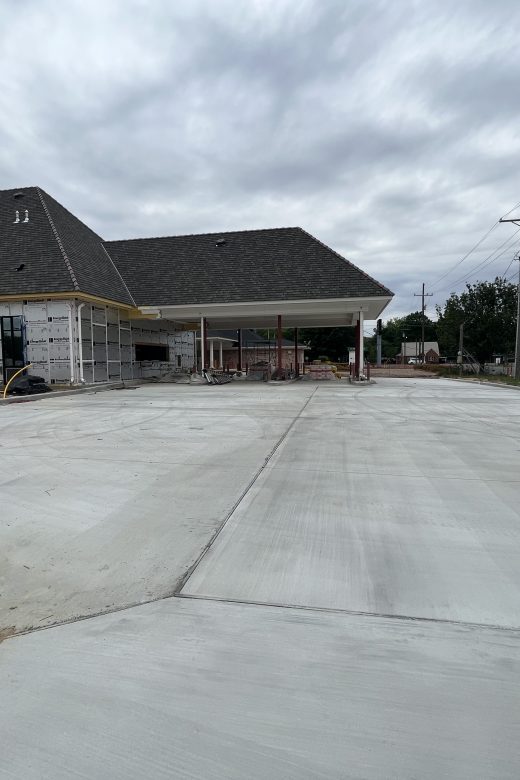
x=487 y=261
x=508 y=267
x=447 y=273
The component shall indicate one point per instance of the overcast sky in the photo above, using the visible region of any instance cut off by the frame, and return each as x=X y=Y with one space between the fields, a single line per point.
x=390 y=130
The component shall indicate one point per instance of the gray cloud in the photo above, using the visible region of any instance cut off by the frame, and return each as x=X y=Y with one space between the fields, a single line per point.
x=389 y=130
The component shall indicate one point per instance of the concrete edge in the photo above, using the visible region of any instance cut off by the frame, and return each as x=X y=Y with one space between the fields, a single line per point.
x=18 y=399
x=483 y=382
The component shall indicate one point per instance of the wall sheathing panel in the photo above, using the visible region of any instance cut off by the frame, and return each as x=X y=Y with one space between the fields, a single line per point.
x=47 y=341
x=108 y=341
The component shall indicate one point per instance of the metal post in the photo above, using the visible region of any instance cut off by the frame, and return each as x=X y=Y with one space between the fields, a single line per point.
x=356 y=351
x=279 y=344
x=206 y=361
x=423 y=356
x=460 y=357
x=296 y=363
x=202 y=329
x=239 y=358
x=379 y=339
x=361 y=345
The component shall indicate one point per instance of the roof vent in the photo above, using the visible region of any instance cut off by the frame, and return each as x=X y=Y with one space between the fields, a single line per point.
x=26 y=216
x=18 y=195
x=16 y=217
x=220 y=242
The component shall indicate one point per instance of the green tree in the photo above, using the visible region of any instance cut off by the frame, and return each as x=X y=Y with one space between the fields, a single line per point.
x=488 y=312
x=333 y=343
x=400 y=329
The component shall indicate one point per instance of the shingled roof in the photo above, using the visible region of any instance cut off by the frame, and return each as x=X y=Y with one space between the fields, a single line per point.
x=50 y=250
x=250 y=265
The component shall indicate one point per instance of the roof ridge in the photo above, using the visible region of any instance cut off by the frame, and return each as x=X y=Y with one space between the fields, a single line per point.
x=213 y=233
x=118 y=273
x=68 y=264
x=346 y=260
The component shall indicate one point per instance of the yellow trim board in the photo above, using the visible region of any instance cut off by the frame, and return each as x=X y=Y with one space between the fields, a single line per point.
x=69 y=296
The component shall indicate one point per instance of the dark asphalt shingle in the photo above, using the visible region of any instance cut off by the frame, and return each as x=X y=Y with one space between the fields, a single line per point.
x=252 y=265
x=32 y=244
x=60 y=253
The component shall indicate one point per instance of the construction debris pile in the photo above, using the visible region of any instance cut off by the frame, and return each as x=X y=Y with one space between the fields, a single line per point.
x=322 y=371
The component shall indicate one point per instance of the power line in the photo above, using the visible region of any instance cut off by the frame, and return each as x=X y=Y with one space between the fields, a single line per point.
x=447 y=273
x=491 y=258
x=508 y=267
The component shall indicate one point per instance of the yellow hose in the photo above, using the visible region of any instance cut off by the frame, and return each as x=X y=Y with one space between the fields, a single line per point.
x=14 y=377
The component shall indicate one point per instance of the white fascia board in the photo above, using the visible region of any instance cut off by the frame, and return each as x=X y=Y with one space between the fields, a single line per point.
x=336 y=309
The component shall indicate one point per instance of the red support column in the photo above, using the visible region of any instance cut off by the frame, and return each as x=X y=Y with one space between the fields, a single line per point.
x=357 y=356
x=279 y=343
x=296 y=363
x=239 y=358
x=205 y=344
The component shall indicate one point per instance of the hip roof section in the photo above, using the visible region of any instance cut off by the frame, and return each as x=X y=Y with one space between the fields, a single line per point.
x=46 y=249
x=276 y=264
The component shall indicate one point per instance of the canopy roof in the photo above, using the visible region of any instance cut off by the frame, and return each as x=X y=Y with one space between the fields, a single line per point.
x=236 y=279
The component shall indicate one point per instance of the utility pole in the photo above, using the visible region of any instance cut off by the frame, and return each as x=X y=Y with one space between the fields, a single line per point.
x=460 y=356
x=517 y=343
x=423 y=295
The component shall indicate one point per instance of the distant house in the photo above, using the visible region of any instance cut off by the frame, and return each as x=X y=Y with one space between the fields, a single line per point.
x=412 y=351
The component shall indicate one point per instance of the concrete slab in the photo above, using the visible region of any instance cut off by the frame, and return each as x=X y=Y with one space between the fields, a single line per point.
x=109 y=498
x=193 y=689
x=395 y=499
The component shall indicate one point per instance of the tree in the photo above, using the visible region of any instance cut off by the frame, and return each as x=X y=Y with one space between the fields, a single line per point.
x=392 y=334
x=333 y=343
x=488 y=312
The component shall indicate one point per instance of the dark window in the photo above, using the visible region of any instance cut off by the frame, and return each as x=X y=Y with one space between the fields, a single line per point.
x=12 y=335
x=151 y=352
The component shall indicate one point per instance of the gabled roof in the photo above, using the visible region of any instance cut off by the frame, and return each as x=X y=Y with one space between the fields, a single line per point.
x=277 y=264
x=58 y=252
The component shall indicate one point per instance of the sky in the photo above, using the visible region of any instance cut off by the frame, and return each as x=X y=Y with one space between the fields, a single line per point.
x=389 y=130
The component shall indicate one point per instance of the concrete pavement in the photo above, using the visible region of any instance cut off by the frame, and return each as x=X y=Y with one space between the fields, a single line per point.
x=392 y=501
x=187 y=688
x=398 y=499
x=109 y=498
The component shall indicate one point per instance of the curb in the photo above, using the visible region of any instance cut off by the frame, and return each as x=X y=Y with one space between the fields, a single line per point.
x=23 y=399
x=481 y=382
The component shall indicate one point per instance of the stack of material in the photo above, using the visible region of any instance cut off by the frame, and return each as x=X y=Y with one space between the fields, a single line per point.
x=28 y=385
x=321 y=371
